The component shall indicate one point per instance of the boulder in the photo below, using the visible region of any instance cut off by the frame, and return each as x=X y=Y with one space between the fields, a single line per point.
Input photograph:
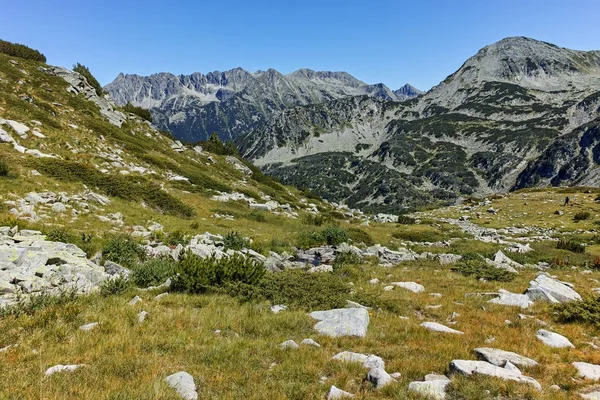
x=310 y=342
x=184 y=385
x=288 y=344
x=587 y=370
x=434 y=326
x=342 y=322
x=469 y=367
x=379 y=378
x=500 y=357
x=545 y=288
x=88 y=327
x=553 y=339
x=62 y=368
x=507 y=298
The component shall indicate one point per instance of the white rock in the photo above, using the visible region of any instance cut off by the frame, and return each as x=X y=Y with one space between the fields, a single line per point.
x=545 y=288
x=142 y=316
x=379 y=378
x=500 y=357
x=434 y=389
x=276 y=309
x=342 y=322
x=88 y=327
x=507 y=298
x=19 y=128
x=412 y=286
x=511 y=367
x=469 y=367
x=587 y=370
x=288 y=344
x=310 y=342
x=336 y=394
x=62 y=368
x=184 y=385
x=434 y=326
x=59 y=208
x=135 y=300
x=368 y=361
x=352 y=304
x=553 y=339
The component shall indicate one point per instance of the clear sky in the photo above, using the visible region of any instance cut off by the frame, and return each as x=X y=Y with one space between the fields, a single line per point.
x=389 y=41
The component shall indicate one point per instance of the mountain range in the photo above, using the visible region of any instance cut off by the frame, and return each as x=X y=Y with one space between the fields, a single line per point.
x=236 y=102
x=519 y=113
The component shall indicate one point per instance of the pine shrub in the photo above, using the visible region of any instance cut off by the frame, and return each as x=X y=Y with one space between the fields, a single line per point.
x=477 y=268
x=123 y=250
x=586 y=311
x=235 y=241
x=139 y=111
x=153 y=272
x=195 y=274
x=581 y=216
x=21 y=51
x=4 y=170
x=85 y=71
x=570 y=245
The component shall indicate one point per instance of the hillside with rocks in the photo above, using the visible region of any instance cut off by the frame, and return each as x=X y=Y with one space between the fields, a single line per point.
x=236 y=102
x=520 y=113
x=134 y=266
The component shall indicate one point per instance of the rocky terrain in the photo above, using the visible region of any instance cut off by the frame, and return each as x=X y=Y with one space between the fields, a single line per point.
x=236 y=102
x=134 y=266
x=519 y=113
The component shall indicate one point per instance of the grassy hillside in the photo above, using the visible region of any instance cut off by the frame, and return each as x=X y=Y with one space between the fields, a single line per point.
x=227 y=338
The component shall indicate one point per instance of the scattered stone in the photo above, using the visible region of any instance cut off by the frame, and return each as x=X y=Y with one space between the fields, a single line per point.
x=352 y=304
x=276 y=309
x=89 y=327
x=310 y=342
x=160 y=296
x=434 y=326
x=184 y=385
x=342 y=322
x=469 y=367
x=434 y=387
x=335 y=394
x=379 y=378
x=135 y=300
x=62 y=368
x=553 y=339
x=288 y=344
x=142 y=316
x=368 y=361
x=587 y=370
x=412 y=286
x=507 y=298
x=500 y=357
x=545 y=288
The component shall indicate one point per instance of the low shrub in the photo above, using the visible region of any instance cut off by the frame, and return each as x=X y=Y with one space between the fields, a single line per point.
x=33 y=304
x=406 y=220
x=174 y=238
x=21 y=51
x=359 y=236
x=235 y=241
x=478 y=269
x=570 y=245
x=123 y=250
x=330 y=235
x=258 y=216
x=346 y=258
x=139 y=111
x=586 y=311
x=581 y=216
x=596 y=263
x=153 y=272
x=316 y=219
x=61 y=235
x=334 y=235
x=114 y=286
x=195 y=274
x=4 y=170
x=85 y=71
x=420 y=236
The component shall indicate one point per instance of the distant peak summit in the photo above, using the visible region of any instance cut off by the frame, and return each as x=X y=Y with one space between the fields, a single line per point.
x=408 y=90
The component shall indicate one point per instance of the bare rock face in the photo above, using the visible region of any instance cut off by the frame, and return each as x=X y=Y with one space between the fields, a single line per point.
x=342 y=322
x=545 y=288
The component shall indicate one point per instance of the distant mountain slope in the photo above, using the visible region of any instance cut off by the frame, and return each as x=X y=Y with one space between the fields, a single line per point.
x=235 y=102
x=473 y=134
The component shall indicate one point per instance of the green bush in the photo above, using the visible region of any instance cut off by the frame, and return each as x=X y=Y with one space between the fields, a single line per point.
x=346 y=258
x=216 y=146
x=406 y=220
x=123 y=250
x=174 y=238
x=36 y=303
x=581 y=216
x=198 y=275
x=85 y=71
x=421 y=236
x=153 y=272
x=60 y=235
x=235 y=241
x=478 y=269
x=139 y=111
x=316 y=219
x=22 y=51
x=334 y=235
x=359 y=236
x=570 y=245
x=586 y=311
x=3 y=168
x=112 y=286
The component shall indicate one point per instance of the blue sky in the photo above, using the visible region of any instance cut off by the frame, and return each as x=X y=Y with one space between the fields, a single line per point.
x=393 y=42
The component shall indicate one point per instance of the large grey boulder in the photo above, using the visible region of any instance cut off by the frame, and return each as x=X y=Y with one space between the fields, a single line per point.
x=545 y=288
x=379 y=378
x=587 y=370
x=342 y=322
x=434 y=387
x=500 y=357
x=184 y=385
x=469 y=367
x=412 y=286
x=553 y=339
